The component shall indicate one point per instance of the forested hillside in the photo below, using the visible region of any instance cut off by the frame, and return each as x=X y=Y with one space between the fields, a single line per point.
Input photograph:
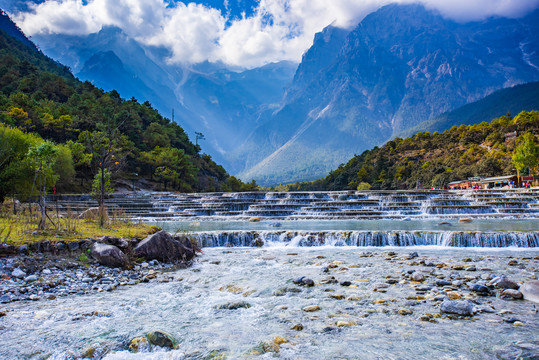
x=90 y=130
x=524 y=97
x=434 y=159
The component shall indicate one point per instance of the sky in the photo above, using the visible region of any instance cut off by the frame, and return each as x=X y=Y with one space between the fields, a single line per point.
x=240 y=33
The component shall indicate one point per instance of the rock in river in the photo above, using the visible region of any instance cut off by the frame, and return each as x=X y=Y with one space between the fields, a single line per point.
x=234 y=305
x=464 y=308
x=108 y=255
x=501 y=282
x=163 y=247
x=530 y=290
x=511 y=294
x=161 y=338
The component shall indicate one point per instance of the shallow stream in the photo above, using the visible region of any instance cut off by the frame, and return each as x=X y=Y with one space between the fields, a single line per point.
x=185 y=304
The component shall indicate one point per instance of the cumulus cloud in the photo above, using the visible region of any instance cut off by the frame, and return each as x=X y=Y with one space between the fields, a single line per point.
x=278 y=30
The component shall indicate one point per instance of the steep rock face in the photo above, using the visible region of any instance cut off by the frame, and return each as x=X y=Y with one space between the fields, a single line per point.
x=400 y=66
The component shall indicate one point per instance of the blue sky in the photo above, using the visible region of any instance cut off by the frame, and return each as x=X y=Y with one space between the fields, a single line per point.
x=244 y=33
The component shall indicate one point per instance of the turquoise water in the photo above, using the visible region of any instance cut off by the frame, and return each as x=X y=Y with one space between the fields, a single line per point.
x=374 y=225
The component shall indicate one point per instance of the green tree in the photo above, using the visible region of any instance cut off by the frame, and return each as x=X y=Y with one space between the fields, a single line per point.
x=364 y=186
x=16 y=173
x=42 y=158
x=175 y=167
x=98 y=185
x=526 y=155
x=108 y=149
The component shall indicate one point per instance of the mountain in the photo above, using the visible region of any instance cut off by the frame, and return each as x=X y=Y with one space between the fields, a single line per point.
x=511 y=100
x=208 y=98
x=13 y=30
x=402 y=65
x=40 y=99
x=433 y=159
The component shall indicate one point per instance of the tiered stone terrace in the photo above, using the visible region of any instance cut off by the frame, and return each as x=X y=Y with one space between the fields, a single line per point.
x=319 y=205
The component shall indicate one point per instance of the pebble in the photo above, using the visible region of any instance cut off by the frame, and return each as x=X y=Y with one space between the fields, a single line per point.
x=442 y=282
x=49 y=277
x=417 y=276
x=161 y=338
x=18 y=273
x=404 y=311
x=311 y=308
x=479 y=288
x=463 y=308
x=345 y=323
x=30 y=278
x=453 y=295
x=503 y=283
x=512 y=293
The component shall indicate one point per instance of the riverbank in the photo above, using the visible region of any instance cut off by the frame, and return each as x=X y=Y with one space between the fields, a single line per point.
x=299 y=302
x=21 y=229
x=47 y=276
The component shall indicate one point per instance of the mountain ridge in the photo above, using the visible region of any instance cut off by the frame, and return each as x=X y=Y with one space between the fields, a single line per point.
x=401 y=65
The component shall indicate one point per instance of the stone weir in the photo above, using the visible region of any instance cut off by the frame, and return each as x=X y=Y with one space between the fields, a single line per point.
x=366 y=238
x=318 y=205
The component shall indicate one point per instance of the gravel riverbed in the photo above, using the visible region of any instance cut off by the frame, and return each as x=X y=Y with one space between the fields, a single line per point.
x=284 y=302
x=46 y=276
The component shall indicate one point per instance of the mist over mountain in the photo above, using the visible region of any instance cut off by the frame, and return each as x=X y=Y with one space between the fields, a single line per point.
x=402 y=65
x=207 y=97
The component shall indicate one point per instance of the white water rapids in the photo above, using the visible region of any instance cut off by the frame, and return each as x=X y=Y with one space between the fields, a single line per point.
x=185 y=306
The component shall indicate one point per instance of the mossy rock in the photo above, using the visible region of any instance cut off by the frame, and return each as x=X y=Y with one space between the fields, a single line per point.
x=162 y=339
x=139 y=344
x=216 y=355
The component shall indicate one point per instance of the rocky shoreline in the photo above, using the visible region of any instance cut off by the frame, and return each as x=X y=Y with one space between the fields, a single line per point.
x=47 y=270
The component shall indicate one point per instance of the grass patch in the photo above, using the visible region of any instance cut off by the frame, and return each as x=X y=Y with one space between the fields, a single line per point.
x=21 y=229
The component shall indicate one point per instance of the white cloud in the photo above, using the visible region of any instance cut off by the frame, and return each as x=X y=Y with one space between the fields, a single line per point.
x=279 y=30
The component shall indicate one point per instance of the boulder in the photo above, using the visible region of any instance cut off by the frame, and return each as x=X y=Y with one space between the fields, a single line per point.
x=163 y=247
x=463 y=308
x=116 y=241
x=108 y=255
x=530 y=290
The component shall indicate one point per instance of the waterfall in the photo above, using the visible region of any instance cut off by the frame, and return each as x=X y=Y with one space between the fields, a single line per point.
x=355 y=205
x=366 y=238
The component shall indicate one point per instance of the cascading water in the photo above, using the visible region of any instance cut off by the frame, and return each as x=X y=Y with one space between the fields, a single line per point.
x=366 y=238
x=373 y=205
x=245 y=298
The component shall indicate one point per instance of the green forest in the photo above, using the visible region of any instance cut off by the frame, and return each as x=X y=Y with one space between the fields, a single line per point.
x=435 y=159
x=60 y=134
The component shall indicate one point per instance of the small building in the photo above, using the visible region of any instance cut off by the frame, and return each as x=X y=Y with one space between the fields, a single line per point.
x=499 y=182
x=527 y=181
x=459 y=185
